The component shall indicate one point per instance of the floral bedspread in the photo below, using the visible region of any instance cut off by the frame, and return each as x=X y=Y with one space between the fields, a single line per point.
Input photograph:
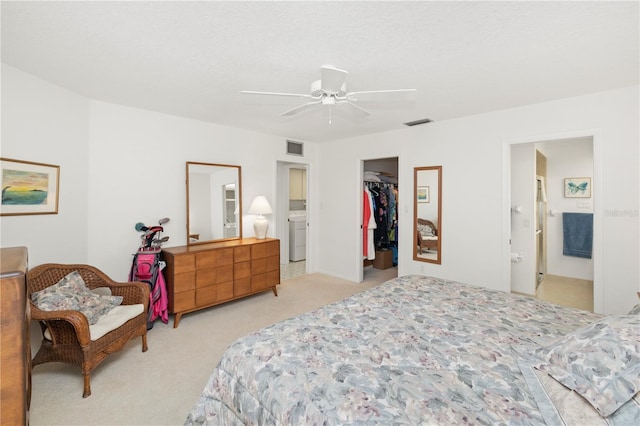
x=414 y=350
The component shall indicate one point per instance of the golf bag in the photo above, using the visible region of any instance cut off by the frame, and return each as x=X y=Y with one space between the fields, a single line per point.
x=147 y=267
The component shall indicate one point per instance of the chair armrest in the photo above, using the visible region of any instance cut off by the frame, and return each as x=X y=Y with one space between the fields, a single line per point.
x=76 y=319
x=131 y=292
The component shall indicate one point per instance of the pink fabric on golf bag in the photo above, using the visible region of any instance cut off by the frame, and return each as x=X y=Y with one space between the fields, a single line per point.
x=147 y=268
x=160 y=307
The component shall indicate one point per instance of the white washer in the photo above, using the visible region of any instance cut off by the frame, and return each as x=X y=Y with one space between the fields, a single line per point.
x=297 y=238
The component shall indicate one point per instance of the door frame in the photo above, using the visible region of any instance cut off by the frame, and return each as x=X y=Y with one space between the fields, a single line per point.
x=598 y=216
x=282 y=215
x=360 y=192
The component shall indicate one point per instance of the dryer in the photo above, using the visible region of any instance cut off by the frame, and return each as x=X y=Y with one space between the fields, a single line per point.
x=297 y=238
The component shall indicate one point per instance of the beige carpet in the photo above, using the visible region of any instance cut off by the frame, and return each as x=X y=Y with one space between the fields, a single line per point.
x=160 y=386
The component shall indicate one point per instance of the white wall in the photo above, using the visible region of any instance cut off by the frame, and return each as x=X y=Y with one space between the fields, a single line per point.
x=200 y=217
x=137 y=174
x=523 y=191
x=569 y=158
x=476 y=190
x=47 y=124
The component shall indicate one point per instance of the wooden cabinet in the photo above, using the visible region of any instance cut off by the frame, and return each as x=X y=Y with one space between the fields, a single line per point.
x=204 y=275
x=15 y=347
x=297 y=184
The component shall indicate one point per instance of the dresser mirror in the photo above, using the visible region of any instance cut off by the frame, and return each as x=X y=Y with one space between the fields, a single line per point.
x=214 y=202
x=427 y=214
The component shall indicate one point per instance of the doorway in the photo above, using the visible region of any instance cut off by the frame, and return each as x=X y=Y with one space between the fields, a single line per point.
x=293 y=218
x=380 y=241
x=538 y=265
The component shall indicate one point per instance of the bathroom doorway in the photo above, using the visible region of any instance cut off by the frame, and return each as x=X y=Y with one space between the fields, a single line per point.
x=540 y=267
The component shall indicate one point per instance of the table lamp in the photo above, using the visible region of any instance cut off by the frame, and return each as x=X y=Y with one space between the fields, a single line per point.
x=260 y=206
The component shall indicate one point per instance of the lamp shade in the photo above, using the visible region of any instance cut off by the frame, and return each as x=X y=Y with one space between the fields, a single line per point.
x=260 y=206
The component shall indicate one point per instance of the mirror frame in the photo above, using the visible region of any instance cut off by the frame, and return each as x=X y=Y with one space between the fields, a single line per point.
x=189 y=194
x=438 y=257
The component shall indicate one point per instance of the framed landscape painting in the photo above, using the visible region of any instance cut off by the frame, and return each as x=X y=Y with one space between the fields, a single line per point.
x=424 y=195
x=28 y=188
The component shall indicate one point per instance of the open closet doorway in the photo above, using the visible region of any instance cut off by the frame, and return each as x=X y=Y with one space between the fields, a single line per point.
x=293 y=220
x=380 y=218
x=550 y=214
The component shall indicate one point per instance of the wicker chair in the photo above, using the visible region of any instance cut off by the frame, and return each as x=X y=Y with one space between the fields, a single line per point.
x=427 y=243
x=66 y=336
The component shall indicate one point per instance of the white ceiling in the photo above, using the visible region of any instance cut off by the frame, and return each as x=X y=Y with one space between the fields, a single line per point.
x=192 y=59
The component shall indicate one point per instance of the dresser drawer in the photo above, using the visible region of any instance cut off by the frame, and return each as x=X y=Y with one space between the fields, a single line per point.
x=242 y=254
x=224 y=274
x=273 y=248
x=206 y=259
x=214 y=258
x=258 y=266
x=242 y=270
x=259 y=282
x=259 y=251
x=273 y=263
x=225 y=257
x=241 y=286
x=214 y=294
x=186 y=263
x=225 y=291
x=273 y=278
x=207 y=277
x=206 y=295
x=185 y=281
x=183 y=301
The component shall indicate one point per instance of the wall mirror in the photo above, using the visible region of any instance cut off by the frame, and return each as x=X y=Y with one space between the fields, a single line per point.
x=214 y=202
x=427 y=214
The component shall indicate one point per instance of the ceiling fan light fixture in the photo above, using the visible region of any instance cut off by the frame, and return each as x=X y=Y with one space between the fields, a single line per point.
x=318 y=92
x=331 y=90
x=328 y=100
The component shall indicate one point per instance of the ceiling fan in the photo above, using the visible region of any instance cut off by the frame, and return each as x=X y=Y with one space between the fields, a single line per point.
x=331 y=90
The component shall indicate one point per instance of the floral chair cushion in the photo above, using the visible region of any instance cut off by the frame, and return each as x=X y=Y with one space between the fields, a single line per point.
x=71 y=293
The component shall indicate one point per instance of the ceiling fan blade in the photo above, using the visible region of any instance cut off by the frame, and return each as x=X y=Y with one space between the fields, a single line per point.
x=357 y=107
x=382 y=95
x=332 y=79
x=300 y=108
x=296 y=95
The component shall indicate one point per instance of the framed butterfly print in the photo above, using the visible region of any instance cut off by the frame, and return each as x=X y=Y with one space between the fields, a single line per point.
x=577 y=187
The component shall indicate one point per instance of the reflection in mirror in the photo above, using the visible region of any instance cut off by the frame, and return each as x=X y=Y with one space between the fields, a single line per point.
x=427 y=213
x=214 y=202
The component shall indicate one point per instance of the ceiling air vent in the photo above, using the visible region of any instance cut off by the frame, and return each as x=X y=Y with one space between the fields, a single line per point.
x=295 y=148
x=418 y=122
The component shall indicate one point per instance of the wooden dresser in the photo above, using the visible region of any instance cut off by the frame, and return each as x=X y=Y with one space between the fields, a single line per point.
x=204 y=275
x=15 y=346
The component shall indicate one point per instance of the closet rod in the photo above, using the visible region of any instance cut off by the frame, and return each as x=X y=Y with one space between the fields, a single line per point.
x=378 y=184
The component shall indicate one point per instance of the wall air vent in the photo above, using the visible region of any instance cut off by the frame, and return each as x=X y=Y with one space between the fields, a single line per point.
x=295 y=148
x=418 y=122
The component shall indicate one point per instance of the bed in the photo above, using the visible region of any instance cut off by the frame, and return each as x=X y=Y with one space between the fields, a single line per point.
x=424 y=350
